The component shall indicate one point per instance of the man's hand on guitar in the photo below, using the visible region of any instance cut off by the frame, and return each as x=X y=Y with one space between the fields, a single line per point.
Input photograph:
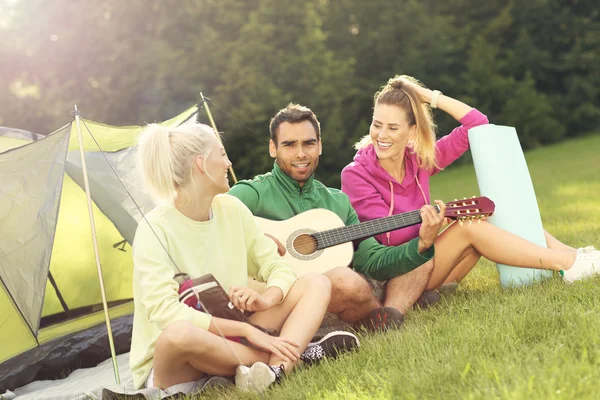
x=245 y=298
x=280 y=247
x=430 y=227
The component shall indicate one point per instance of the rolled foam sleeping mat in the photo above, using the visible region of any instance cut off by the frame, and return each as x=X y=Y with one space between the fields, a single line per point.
x=503 y=176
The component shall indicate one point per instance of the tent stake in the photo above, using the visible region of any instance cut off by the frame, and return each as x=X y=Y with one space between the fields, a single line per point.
x=214 y=126
x=96 y=252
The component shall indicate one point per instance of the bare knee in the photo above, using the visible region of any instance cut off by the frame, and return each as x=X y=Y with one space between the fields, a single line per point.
x=180 y=336
x=347 y=284
x=469 y=231
x=315 y=285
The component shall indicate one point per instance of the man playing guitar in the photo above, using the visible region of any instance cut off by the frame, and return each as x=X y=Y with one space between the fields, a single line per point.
x=290 y=189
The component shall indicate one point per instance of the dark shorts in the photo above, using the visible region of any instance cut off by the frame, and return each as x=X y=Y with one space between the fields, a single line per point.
x=377 y=287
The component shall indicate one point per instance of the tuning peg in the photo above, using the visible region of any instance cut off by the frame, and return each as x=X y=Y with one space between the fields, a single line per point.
x=479 y=220
x=473 y=197
x=455 y=199
x=460 y=222
x=470 y=222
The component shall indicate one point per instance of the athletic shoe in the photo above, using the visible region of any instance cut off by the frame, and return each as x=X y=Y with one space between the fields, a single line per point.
x=428 y=298
x=381 y=319
x=329 y=346
x=586 y=249
x=449 y=287
x=586 y=264
x=258 y=377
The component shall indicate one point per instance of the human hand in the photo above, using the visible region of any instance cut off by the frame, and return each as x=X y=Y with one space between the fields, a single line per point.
x=286 y=349
x=423 y=93
x=430 y=227
x=245 y=298
x=280 y=247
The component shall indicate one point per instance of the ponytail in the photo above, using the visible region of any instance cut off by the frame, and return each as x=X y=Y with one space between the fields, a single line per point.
x=166 y=157
x=397 y=93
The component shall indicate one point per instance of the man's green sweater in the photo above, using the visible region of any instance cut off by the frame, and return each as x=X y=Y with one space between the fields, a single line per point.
x=276 y=196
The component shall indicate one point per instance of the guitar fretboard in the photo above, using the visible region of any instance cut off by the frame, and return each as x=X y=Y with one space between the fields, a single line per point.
x=333 y=237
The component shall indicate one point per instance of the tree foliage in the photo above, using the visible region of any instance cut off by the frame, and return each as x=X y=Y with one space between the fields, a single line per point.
x=533 y=65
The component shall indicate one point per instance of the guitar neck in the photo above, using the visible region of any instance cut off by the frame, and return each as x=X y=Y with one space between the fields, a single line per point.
x=333 y=237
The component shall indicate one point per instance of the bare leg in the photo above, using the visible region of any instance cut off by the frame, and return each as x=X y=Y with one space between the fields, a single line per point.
x=554 y=243
x=494 y=244
x=185 y=352
x=467 y=262
x=403 y=291
x=471 y=256
x=351 y=297
x=300 y=314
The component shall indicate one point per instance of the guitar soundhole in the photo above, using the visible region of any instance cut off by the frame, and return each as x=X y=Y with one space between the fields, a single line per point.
x=302 y=245
x=305 y=244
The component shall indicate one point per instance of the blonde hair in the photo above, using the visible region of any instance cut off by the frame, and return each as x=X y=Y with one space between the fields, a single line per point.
x=398 y=92
x=166 y=157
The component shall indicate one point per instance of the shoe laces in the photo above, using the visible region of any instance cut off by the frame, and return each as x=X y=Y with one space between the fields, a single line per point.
x=313 y=352
x=588 y=254
x=586 y=249
x=279 y=372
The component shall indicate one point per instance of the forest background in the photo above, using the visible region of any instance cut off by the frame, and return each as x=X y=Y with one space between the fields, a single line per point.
x=531 y=64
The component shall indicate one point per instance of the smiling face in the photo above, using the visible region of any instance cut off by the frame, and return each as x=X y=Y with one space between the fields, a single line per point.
x=297 y=150
x=216 y=166
x=390 y=131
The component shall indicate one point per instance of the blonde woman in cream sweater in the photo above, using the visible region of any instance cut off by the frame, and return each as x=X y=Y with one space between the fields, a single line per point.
x=198 y=229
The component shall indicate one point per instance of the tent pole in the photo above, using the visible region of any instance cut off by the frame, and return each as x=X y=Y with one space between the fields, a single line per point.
x=214 y=126
x=58 y=294
x=96 y=252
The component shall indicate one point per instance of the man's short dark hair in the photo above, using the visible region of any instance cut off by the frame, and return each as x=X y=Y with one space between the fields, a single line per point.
x=293 y=113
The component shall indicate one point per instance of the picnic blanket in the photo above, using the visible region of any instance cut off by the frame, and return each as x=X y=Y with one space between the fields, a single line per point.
x=90 y=383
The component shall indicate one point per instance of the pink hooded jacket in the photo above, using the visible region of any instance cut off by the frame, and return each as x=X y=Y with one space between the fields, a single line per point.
x=375 y=194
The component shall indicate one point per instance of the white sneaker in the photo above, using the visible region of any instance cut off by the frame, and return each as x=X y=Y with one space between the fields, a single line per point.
x=257 y=378
x=586 y=264
x=585 y=249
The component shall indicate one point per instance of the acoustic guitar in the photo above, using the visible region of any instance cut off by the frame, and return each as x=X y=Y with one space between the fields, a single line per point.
x=317 y=240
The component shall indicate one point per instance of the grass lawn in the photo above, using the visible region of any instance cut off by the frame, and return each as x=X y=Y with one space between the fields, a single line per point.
x=481 y=342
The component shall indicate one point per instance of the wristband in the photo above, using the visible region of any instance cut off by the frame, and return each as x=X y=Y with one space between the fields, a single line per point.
x=434 y=98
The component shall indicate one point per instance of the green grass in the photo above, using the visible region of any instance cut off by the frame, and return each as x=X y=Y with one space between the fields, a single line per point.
x=537 y=342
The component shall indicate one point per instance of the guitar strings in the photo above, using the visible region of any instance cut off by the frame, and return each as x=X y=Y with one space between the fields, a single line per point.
x=345 y=234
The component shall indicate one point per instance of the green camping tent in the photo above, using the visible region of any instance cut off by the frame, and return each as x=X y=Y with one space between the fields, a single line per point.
x=49 y=287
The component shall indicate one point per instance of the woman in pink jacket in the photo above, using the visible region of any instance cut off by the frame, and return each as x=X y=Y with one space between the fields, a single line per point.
x=390 y=175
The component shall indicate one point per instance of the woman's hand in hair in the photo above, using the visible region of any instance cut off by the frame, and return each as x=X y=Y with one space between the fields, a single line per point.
x=457 y=109
x=423 y=93
x=431 y=225
x=286 y=349
x=247 y=299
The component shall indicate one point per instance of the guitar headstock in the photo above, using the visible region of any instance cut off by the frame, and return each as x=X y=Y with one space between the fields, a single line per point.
x=475 y=208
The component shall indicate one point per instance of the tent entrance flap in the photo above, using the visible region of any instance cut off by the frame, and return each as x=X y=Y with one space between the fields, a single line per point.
x=30 y=189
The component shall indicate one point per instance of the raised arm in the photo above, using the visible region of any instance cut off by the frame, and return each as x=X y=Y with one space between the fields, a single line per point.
x=456 y=108
x=452 y=146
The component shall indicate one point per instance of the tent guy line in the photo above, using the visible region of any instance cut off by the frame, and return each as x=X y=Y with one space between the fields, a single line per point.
x=87 y=190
